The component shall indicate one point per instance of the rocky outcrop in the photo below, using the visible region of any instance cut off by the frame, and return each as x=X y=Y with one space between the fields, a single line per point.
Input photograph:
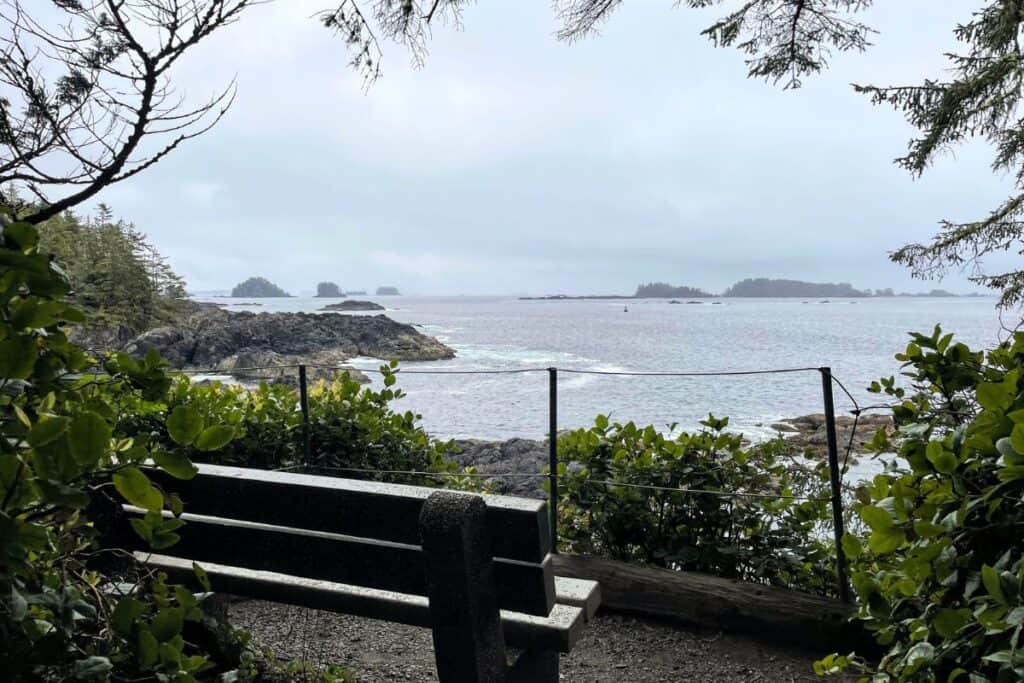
x=353 y=305
x=99 y=339
x=206 y=339
x=807 y=432
x=259 y=365
x=506 y=457
x=230 y=342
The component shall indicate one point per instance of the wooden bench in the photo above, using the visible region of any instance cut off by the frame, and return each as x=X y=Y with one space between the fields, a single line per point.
x=474 y=569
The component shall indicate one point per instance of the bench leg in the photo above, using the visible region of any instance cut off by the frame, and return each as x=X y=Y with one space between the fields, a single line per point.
x=535 y=666
x=469 y=646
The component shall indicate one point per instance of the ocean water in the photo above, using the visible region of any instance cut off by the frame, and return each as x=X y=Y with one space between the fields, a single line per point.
x=856 y=338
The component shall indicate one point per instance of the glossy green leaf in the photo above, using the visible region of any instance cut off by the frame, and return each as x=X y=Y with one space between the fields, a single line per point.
x=17 y=357
x=948 y=622
x=89 y=438
x=875 y=517
x=851 y=545
x=941 y=459
x=148 y=648
x=167 y=623
x=137 y=489
x=201 y=576
x=885 y=540
x=990 y=579
x=143 y=529
x=126 y=613
x=176 y=464
x=214 y=438
x=47 y=430
x=995 y=395
x=184 y=424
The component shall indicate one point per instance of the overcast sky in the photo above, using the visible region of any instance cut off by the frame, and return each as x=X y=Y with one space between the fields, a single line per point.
x=512 y=163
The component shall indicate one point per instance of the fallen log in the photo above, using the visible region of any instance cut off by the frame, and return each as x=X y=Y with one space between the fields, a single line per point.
x=711 y=602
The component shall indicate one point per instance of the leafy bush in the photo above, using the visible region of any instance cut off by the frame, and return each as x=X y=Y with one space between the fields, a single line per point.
x=61 y=618
x=939 y=577
x=353 y=430
x=71 y=609
x=779 y=539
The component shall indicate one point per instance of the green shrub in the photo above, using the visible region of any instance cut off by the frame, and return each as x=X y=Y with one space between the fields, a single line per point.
x=353 y=429
x=779 y=539
x=939 y=576
x=60 y=453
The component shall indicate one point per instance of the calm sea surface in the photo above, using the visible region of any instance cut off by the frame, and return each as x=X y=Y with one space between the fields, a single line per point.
x=857 y=338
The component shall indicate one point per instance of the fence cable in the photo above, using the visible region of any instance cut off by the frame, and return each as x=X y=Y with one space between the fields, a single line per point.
x=539 y=475
x=723 y=373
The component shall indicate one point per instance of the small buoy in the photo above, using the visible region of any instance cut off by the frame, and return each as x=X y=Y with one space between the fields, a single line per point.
x=625 y=309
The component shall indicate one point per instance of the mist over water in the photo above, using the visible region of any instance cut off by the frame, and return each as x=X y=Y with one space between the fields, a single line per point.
x=857 y=338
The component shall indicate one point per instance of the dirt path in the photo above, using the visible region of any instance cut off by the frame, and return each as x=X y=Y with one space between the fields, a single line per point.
x=613 y=649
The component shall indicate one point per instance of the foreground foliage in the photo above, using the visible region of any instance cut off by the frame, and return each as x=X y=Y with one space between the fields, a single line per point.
x=718 y=506
x=61 y=618
x=70 y=608
x=353 y=429
x=940 y=577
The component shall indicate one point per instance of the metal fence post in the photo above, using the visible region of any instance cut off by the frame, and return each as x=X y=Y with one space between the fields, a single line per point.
x=553 y=454
x=304 y=405
x=834 y=479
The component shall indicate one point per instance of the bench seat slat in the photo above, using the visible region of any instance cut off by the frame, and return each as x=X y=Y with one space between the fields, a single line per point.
x=558 y=631
x=522 y=587
x=519 y=527
x=580 y=593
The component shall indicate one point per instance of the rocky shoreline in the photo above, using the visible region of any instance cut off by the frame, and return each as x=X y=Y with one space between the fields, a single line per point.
x=502 y=458
x=211 y=338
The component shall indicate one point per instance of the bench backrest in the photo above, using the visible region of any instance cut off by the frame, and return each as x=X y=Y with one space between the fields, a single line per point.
x=348 y=531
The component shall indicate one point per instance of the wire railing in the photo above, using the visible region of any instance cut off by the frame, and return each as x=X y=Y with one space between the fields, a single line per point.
x=837 y=469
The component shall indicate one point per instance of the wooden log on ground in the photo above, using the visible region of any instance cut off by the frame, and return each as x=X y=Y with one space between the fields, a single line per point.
x=711 y=602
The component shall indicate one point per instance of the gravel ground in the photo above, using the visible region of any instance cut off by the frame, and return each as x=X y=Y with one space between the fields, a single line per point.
x=614 y=648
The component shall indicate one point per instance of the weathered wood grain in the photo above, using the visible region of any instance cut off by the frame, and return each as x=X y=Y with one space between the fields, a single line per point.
x=710 y=602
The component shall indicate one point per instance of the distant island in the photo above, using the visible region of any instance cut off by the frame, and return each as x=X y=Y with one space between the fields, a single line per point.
x=765 y=287
x=258 y=287
x=761 y=287
x=663 y=290
x=355 y=292
x=328 y=290
x=566 y=297
x=387 y=291
x=353 y=305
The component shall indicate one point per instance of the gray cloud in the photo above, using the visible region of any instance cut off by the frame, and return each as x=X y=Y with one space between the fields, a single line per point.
x=514 y=163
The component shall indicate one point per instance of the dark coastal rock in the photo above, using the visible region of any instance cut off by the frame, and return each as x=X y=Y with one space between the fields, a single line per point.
x=506 y=457
x=260 y=365
x=229 y=342
x=353 y=305
x=206 y=339
x=807 y=432
x=101 y=339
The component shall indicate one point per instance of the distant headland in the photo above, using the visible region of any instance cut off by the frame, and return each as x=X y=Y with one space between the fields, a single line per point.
x=754 y=288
